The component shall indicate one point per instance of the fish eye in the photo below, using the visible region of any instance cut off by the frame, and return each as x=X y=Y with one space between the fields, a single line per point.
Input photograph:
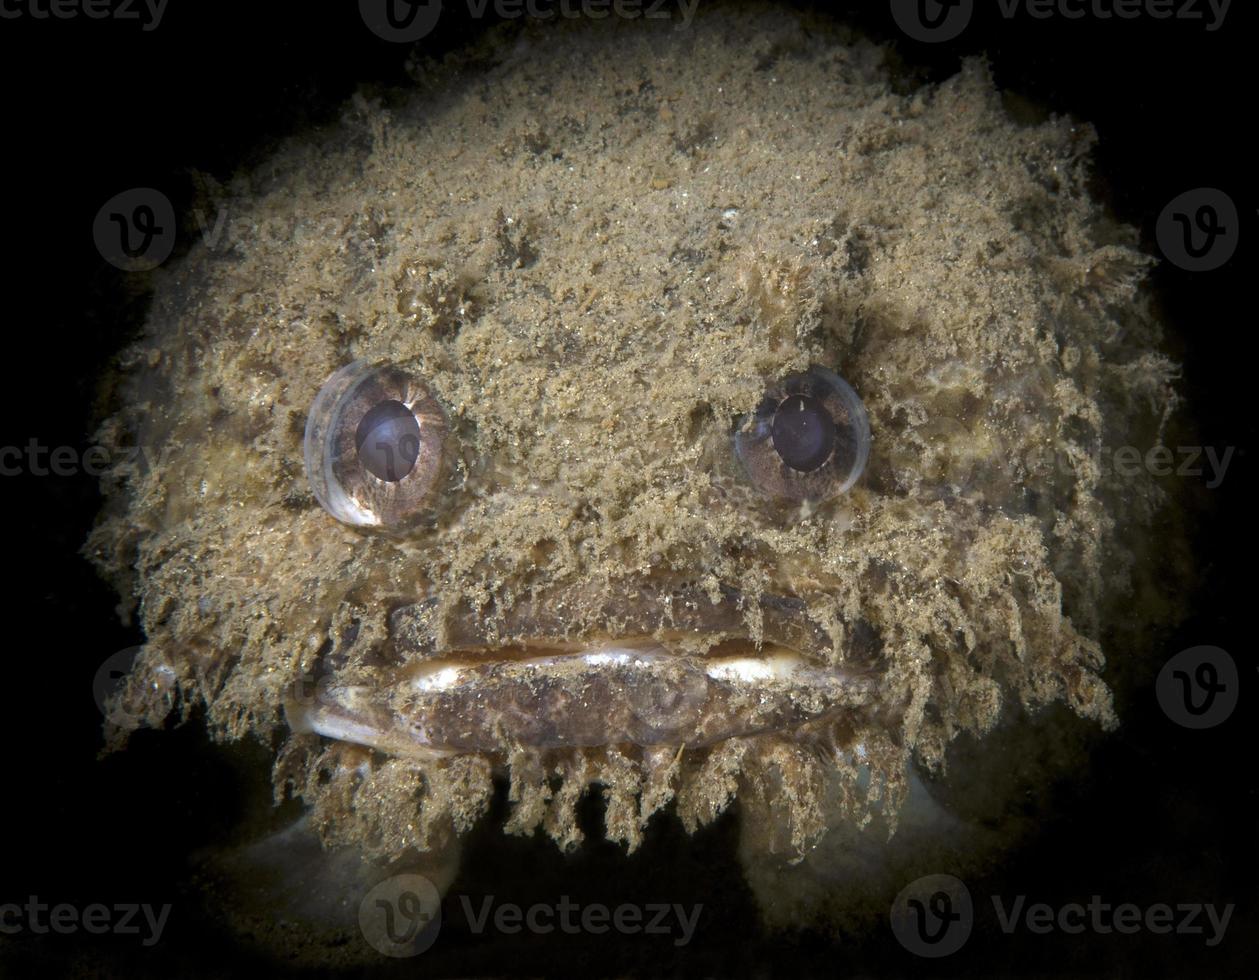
x=807 y=440
x=374 y=445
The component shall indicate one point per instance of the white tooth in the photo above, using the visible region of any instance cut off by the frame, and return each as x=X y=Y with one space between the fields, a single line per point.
x=441 y=679
x=778 y=667
x=608 y=658
x=306 y=719
x=638 y=655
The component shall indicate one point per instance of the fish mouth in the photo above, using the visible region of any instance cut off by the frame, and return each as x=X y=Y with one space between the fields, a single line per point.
x=669 y=668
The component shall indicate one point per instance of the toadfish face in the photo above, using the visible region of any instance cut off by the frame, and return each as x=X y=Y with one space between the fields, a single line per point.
x=648 y=420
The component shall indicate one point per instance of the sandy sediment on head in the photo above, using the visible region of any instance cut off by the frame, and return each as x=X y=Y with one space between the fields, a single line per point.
x=597 y=243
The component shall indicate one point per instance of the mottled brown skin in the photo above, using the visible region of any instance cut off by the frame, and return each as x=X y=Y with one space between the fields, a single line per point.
x=598 y=262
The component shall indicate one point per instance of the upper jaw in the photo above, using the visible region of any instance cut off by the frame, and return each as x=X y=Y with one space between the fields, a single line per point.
x=683 y=617
x=685 y=671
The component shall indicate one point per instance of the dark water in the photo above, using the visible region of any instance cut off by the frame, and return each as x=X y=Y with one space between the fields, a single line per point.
x=1163 y=814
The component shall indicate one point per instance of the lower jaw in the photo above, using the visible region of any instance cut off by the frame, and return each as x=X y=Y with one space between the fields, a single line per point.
x=631 y=692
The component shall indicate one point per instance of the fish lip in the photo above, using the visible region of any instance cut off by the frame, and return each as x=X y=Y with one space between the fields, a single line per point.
x=642 y=696
x=525 y=679
x=682 y=616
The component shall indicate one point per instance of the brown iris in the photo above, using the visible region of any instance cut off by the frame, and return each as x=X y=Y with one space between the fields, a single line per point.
x=808 y=439
x=374 y=447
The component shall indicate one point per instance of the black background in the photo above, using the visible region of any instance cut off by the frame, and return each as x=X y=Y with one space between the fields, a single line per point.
x=94 y=107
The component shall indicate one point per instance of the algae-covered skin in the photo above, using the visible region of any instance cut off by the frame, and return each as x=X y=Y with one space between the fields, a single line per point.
x=597 y=245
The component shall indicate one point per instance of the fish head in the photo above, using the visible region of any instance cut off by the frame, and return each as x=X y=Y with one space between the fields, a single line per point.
x=659 y=428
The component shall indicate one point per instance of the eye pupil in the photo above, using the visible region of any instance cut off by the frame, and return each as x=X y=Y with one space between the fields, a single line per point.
x=388 y=441
x=808 y=439
x=803 y=433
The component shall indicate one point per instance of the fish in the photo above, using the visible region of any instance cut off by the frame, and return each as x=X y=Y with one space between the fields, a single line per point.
x=690 y=416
